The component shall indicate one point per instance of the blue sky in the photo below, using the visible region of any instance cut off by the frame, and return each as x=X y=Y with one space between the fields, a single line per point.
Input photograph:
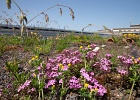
x=111 y=13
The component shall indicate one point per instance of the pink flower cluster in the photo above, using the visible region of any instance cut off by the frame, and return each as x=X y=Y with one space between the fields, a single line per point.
x=93 y=83
x=104 y=64
x=109 y=56
x=123 y=72
x=90 y=55
x=126 y=60
x=26 y=84
x=74 y=83
x=53 y=68
x=31 y=90
x=50 y=83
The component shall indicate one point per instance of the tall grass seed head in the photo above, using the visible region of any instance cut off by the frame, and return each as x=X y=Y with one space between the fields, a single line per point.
x=35 y=33
x=32 y=33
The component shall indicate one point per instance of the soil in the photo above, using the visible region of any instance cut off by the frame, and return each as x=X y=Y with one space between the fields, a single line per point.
x=117 y=93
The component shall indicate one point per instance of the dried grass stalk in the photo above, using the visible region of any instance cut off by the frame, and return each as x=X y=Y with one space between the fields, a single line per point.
x=43 y=13
x=7 y=21
x=8 y=3
x=109 y=30
x=72 y=13
x=22 y=29
x=60 y=10
x=11 y=20
x=46 y=18
x=23 y=18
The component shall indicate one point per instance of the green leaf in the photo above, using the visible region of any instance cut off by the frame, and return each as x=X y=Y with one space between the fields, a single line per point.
x=130 y=68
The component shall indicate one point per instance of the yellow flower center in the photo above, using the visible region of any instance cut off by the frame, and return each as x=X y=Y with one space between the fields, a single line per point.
x=33 y=58
x=135 y=61
x=34 y=75
x=81 y=47
x=88 y=46
x=94 y=90
x=86 y=85
x=60 y=65
x=132 y=58
x=36 y=57
x=53 y=86
x=69 y=65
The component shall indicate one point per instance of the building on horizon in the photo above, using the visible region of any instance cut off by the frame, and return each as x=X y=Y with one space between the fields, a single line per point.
x=120 y=31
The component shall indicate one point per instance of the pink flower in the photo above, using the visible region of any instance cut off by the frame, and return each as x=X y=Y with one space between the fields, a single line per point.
x=93 y=46
x=74 y=83
x=39 y=68
x=0 y=92
x=101 y=90
x=92 y=73
x=26 y=84
x=105 y=64
x=32 y=90
x=60 y=81
x=21 y=88
x=9 y=86
x=65 y=68
x=53 y=74
x=122 y=72
x=109 y=56
x=91 y=55
x=50 y=83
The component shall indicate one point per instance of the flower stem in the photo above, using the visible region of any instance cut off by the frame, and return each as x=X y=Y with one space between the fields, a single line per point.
x=131 y=90
x=42 y=94
x=39 y=87
x=61 y=97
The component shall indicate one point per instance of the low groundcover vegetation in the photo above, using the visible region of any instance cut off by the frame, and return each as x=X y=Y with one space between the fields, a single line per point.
x=84 y=72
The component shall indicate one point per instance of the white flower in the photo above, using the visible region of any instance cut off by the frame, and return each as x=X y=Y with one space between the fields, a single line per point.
x=96 y=49
x=103 y=46
x=126 y=47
